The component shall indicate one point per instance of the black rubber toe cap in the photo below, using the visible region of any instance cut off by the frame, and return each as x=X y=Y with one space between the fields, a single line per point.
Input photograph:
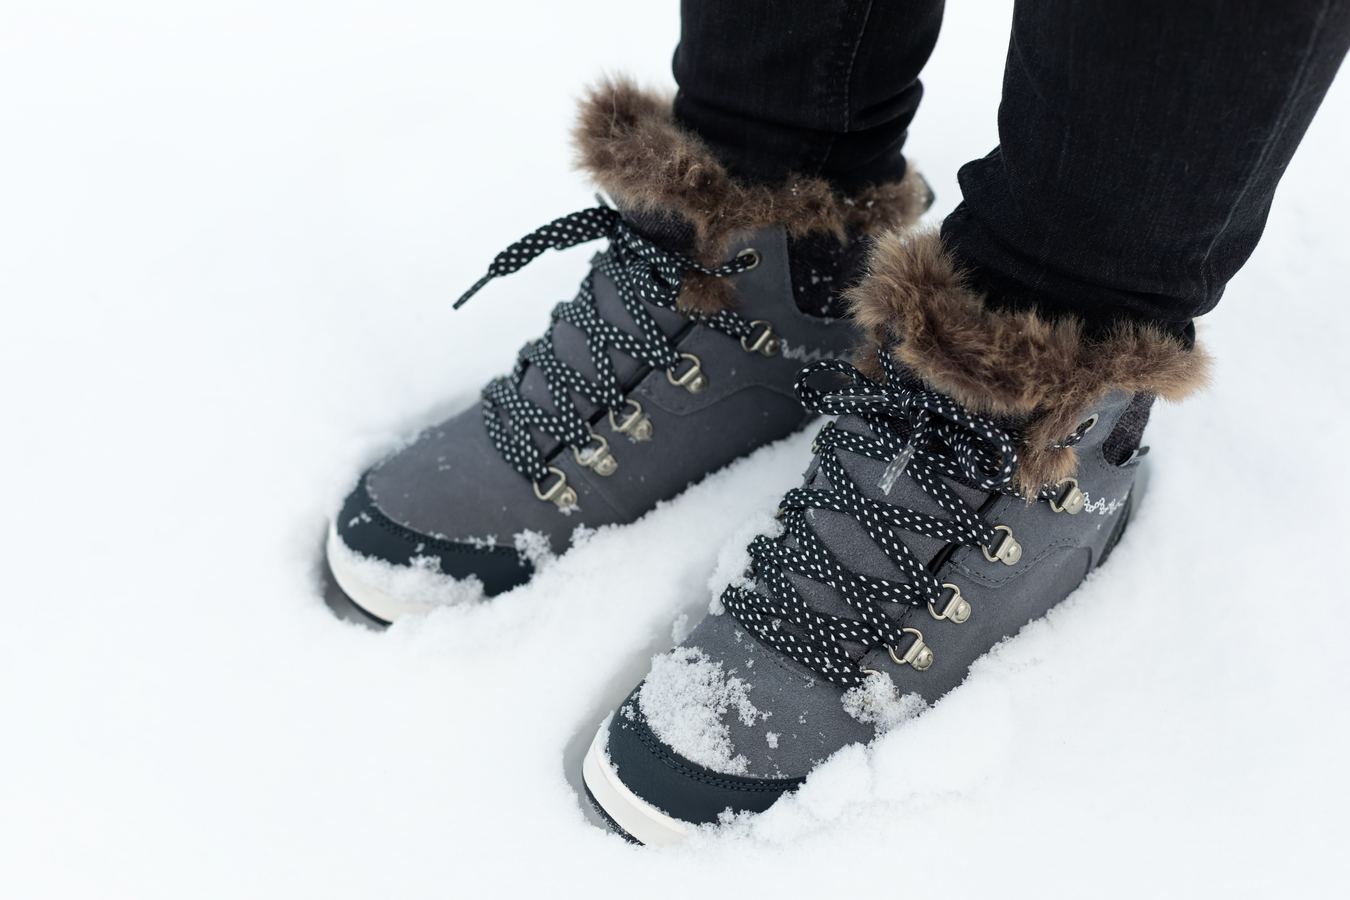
x=680 y=788
x=368 y=531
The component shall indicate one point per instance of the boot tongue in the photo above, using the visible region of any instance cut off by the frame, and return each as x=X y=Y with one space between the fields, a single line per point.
x=1014 y=423
x=667 y=230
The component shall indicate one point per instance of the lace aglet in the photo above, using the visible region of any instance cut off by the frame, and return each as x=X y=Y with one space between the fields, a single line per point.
x=895 y=469
x=477 y=286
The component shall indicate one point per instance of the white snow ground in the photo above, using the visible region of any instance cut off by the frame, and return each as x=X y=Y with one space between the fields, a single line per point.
x=230 y=235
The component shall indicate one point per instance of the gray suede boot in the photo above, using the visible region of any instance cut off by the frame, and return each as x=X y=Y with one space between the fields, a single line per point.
x=677 y=356
x=980 y=466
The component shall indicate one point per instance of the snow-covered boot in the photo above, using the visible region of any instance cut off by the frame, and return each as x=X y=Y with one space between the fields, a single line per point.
x=981 y=464
x=677 y=356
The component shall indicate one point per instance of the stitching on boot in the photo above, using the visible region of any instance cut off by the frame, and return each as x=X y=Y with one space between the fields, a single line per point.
x=726 y=782
x=404 y=533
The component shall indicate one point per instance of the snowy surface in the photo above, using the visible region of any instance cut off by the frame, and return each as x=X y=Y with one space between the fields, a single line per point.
x=232 y=234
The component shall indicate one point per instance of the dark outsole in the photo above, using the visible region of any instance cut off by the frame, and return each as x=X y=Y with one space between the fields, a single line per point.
x=609 y=821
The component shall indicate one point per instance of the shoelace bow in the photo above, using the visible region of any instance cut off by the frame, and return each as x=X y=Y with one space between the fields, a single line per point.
x=922 y=435
x=643 y=273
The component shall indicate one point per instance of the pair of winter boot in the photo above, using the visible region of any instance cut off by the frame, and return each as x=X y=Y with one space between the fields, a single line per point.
x=974 y=466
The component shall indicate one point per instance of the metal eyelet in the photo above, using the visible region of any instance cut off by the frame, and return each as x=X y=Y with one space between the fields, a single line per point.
x=1088 y=424
x=1009 y=551
x=1069 y=501
x=637 y=426
x=755 y=258
x=560 y=494
x=599 y=458
x=693 y=381
x=767 y=343
x=919 y=655
x=957 y=609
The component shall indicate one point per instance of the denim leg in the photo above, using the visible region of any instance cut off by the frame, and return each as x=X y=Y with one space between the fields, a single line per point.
x=823 y=88
x=1141 y=142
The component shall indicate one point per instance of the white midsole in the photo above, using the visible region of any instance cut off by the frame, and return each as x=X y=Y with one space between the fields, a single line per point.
x=633 y=814
x=365 y=595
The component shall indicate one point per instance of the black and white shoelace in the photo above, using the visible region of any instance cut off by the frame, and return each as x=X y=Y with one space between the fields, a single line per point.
x=643 y=273
x=922 y=435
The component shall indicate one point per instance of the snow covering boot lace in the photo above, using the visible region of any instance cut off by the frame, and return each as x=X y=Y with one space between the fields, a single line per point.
x=677 y=356
x=979 y=466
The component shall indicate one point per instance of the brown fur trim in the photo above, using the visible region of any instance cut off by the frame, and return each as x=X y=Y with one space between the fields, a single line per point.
x=627 y=140
x=915 y=301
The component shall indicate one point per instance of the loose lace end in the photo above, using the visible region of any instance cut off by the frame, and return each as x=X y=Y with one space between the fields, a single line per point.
x=896 y=469
x=477 y=286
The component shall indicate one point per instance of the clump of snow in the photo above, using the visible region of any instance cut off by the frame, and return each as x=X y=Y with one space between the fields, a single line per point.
x=772 y=738
x=685 y=699
x=534 y=548
x=581 y=536
x=483 y=543
x=733 y=560
x=680 y=629
x=878 y=702
x=421 y=582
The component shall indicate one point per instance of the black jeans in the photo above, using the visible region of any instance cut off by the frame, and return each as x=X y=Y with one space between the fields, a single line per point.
x=1141 y=141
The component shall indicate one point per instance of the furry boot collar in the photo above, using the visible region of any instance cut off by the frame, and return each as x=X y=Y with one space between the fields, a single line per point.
x=627 y=140
x=1011 y=365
